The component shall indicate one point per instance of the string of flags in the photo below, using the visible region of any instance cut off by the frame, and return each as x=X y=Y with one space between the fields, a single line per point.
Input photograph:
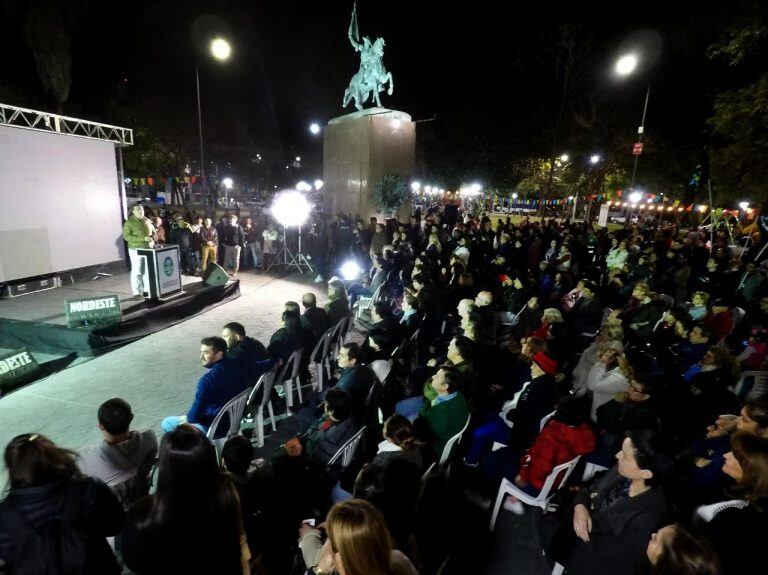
x=651 y=202
x=163 y=180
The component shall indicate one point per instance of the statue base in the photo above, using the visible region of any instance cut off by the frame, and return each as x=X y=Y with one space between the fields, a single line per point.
x=358 y=149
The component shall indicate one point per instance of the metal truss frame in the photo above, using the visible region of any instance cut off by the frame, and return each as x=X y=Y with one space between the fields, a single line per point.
x=27 y=119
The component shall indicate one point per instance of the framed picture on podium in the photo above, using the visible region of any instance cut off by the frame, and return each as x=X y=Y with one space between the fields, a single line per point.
x=163 y=271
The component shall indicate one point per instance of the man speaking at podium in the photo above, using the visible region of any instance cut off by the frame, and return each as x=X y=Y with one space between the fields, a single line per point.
x=138 y=233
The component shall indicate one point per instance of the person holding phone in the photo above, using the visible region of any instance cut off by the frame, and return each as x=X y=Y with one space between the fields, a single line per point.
x=609 y=376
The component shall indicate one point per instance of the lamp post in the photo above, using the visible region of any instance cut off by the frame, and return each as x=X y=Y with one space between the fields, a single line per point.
x=221 y=51
x=625 y=66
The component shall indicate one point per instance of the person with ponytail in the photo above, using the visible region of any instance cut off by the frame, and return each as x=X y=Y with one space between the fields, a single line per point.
x=399 y=443
x=53 y=519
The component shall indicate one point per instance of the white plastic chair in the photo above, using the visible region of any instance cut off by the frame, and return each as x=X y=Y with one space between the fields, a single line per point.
x=347 y=451
x=545 y=420
x=707 y=513
x=381 y=369
x=234 y=408
x=760 y=381
x=590 y=470
x=547 y=491
x=289 y=376
x=262 y=392
x=451 y=442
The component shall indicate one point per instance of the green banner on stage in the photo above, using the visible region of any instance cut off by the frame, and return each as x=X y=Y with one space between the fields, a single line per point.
x=16 y=365
x=93 y=310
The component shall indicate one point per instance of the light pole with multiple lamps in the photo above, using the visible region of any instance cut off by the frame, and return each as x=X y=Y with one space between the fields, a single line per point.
x=221 y=50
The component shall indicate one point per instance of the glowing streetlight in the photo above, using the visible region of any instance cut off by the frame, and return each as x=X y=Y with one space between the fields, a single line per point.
x=314 y=128
x=564 y=158
x=227 y=183
x=415 y=186
x=220 y=49
x=514 y=196
x=744 y=206
x=475 y=188
x=594 y=159
x=298 y=158
x=626 y=65
x=318 y=184
x=635 y=197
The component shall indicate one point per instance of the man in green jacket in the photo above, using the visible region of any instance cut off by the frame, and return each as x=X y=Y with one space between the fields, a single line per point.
x=447 y=413
x=137 y=232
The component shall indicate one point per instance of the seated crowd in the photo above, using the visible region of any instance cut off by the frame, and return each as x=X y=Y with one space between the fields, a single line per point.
x=634 y=357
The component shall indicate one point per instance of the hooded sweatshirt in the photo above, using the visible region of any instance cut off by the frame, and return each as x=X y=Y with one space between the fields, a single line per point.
x=116 y=463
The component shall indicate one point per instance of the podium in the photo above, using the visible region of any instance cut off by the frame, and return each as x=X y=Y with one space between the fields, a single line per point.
x=162 y=271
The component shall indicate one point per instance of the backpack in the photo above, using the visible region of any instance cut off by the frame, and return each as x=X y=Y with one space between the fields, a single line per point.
x=56 y=547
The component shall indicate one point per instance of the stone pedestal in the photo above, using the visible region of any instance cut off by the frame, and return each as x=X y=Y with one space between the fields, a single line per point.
x=358 y=149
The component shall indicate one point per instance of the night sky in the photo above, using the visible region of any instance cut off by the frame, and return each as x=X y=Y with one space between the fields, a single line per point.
x=292 y=62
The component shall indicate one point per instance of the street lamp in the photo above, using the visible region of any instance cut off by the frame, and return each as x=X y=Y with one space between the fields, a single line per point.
x=743 y=206
x=221 y=50
x=314 y=128
x=594 y=159
x=564 y=158
x=625 y=66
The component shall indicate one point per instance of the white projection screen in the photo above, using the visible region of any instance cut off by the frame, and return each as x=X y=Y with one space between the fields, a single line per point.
x=60 y=205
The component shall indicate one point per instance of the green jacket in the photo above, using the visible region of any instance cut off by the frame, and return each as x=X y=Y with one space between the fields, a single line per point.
x=135 y=230
x=446 y=419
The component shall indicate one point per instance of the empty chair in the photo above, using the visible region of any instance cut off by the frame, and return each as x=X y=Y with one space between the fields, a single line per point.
x=507 y=487
x=231 y=414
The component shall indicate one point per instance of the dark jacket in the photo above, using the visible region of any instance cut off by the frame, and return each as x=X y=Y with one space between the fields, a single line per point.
x=738 y=537
x=536 y=401
x=586 y=315
x=248 y=349
x=282 y=344
x=357 y=382
x=316 y=320
x=337 y=310
x=621 y=529
x=232 y=236
x=326 y=437
x=99 y=513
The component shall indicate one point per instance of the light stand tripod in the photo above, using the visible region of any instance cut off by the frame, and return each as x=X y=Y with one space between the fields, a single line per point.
x=289 y=259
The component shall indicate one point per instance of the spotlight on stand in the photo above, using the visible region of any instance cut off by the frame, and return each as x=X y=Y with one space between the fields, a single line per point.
x=291 y=209
x=350 y=270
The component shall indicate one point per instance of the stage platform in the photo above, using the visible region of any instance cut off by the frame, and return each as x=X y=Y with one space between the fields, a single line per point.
x=38 y=321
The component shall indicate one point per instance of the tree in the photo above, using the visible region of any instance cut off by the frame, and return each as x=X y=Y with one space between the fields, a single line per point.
x=556 y=80
x=739 y=155
x=48 y=27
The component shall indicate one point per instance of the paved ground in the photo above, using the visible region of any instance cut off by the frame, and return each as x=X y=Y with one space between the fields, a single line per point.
x=156 y=375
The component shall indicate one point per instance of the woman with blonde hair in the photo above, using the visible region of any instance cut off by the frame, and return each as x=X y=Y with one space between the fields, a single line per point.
x=358 y=544
x=551 y=315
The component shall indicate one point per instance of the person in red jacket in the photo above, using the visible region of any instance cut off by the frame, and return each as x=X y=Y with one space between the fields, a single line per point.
x=564 y=437
x=720 y=319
